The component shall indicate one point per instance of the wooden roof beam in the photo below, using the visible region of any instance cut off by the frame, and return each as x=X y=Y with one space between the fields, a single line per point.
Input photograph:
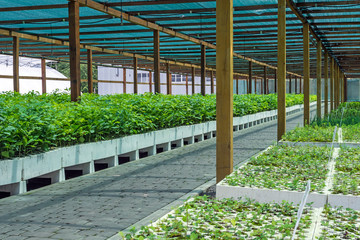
x=142 y=22
x=10 y=33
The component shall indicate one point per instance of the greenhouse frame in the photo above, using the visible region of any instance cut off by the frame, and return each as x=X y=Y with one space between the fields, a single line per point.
x=275 y=42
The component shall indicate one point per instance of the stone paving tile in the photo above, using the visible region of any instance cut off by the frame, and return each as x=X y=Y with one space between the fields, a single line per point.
x=98 y=205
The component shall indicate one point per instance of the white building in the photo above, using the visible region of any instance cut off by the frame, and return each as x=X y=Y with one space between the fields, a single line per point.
x=116 y=75
x=29 y=67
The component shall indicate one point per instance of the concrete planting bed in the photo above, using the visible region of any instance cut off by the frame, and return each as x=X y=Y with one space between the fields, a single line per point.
x=267 y=195
x=63 y=163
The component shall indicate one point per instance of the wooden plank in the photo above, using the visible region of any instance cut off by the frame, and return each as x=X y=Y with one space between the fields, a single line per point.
x=150 y=81
x=193 y=81
x=74 y=47
x=306 y=57
x=124 y=80
x=43 y=75
x=168 y=80
x=212 y=82
x=318 y=80
x=332 y=84
x=16 y=79
x=250 y=78
x=326 y=85
x=90 y=71
x=281 y=69
x=187 y=84
x=203 y=69
x=135 y=67
x=157 y=61
x=296 y=85
x=224 y=89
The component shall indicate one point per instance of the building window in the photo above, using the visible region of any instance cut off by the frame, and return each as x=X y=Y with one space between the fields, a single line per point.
x=178 y=78
x=143 y=77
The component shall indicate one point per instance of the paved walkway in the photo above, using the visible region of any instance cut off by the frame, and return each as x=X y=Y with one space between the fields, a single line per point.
x=98 y=205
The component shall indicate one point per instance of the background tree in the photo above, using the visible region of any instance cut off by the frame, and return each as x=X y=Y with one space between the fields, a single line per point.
x=64 y=68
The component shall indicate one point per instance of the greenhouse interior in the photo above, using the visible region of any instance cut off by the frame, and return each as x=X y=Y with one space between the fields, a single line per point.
x=179 y=119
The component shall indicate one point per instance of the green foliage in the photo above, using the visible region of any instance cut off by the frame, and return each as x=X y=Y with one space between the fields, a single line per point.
x=205 y=218
x=33 y=123
x=347 y=116
x=310 y=133
x=347 y=177
x=284 y=168
x=340 y=223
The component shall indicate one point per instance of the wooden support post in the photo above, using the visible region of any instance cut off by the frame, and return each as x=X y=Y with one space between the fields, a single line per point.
x=168 y=79
x=224 y=88
x=124 y=80
x=203 y=70
x=212 y=82
x=345 y=89
x=74 y=47
x=193 y=80
x=300 y=86
x=326 y=85
x=135 y=75
x=290 y=90
x=281 y=68
x=342 y=88
x=90 y=71
x=261 y=86
x=237 y=84
x=332 y=84
x=306 y=56
x=187 y=84
x=250 y=78
x=336 y=86
x=339 y=86
x=266 y=83
x=157 y=61
x=255 y=90
x=318 y=81
x=43 y=75
x=16 y=59
x=275 y=81
x=296 y=85
x=150 y=81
